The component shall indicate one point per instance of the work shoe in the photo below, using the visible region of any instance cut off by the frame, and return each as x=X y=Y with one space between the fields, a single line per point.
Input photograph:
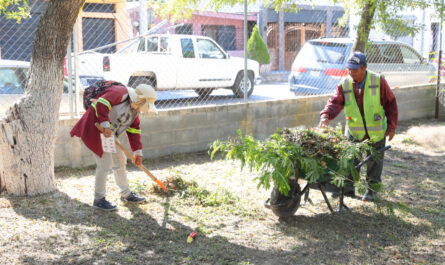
x=369 y=196
x=133 y=198
x=104 y=205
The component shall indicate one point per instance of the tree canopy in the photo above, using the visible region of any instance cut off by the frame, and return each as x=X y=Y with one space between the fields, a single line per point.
x=14 y=9
x=384 y=14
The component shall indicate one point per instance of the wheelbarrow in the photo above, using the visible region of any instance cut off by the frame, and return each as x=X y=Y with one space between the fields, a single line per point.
x=284 y=206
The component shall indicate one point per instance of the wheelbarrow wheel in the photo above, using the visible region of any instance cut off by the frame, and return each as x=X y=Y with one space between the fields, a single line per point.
x=284 y=206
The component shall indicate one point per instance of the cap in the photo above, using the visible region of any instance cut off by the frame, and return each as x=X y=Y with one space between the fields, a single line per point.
x=356 y=60
x=146 y=92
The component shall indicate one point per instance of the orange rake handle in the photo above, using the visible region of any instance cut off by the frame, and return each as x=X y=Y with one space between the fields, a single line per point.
x=101 y=129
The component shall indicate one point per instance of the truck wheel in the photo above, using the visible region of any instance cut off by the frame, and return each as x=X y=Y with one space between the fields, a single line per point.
x=204 y=92
x=238 y=87
x=134 y=82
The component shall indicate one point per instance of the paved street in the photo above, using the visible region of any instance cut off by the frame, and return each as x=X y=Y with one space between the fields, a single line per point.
x=184 y=98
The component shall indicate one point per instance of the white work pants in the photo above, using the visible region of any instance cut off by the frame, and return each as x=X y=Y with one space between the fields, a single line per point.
x=111 y=161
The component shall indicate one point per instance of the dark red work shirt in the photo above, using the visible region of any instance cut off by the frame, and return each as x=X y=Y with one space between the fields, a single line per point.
x=336 y=103
x=85 y=128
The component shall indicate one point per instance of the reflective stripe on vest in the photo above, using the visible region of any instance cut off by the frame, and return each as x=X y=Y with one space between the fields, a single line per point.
x=133 y=130
x=373 y=110
x=103 y=101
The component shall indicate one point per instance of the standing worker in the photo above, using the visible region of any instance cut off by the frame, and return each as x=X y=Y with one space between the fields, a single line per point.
x=116 y=110
x=371 y=113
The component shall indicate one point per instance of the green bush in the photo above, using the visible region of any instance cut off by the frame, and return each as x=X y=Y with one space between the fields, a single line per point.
x=256 y=48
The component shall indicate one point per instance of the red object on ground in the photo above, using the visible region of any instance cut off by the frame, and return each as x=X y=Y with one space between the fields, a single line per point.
x=191 y=237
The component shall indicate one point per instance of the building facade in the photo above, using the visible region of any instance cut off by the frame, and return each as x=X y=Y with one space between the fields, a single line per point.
x=100 y=22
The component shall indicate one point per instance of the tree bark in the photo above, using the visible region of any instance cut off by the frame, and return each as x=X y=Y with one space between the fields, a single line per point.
x=28 y=132
x=364 y=26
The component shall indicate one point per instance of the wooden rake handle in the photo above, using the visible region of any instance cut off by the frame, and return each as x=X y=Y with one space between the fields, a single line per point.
x=101 y=129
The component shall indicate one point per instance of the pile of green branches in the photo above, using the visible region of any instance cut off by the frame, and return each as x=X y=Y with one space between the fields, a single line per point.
x=317 y=155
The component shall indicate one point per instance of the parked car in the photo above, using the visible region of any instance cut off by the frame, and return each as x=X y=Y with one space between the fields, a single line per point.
x=90 y=68
x=321 y=64
x=175 y=62
x=13 y=76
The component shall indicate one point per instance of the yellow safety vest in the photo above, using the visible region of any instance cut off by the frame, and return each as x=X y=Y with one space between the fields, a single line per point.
x=374 y=113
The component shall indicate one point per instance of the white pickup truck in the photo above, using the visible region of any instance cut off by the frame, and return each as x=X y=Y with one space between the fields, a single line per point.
x=175 y=62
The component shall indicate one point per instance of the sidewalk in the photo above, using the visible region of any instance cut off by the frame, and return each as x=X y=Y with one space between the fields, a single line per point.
x=275 y=77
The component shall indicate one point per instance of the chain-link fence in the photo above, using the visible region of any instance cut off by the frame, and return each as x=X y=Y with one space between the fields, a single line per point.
x=199 y=60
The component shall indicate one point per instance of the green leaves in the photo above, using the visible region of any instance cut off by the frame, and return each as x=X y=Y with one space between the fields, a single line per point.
x=314 y=155
x=15 y=9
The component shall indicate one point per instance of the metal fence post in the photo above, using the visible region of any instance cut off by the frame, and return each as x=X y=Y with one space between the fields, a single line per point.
x=76 y=69
x=439 y=63
x=245 y=52
x=70 y=77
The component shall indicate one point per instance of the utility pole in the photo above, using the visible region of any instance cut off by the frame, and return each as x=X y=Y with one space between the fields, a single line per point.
x=143 y=17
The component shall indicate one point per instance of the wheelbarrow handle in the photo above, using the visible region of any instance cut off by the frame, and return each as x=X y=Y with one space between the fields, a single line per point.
x=381 y=150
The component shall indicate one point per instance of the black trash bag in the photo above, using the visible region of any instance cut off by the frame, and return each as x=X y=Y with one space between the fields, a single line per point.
x=284 y=206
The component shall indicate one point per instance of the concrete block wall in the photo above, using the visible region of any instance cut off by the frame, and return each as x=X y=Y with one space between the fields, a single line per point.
x=194 y=129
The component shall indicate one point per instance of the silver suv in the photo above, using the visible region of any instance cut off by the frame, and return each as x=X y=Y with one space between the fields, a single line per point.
x=321 y=64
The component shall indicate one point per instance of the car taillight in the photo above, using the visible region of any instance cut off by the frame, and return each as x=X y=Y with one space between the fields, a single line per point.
x=336 y=72
x=106 y=64
x=298 y=69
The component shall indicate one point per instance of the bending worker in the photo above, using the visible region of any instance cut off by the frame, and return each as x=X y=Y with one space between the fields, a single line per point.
x=117 y=111
x=371 y=113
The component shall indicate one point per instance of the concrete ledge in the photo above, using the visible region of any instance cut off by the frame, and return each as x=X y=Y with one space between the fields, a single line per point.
x=194 y=129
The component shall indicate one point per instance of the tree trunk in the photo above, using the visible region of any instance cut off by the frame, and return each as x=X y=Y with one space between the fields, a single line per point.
x=364 y=26
x=28 y=132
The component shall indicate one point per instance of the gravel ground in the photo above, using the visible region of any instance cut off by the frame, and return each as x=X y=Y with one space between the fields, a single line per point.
x=222 y=203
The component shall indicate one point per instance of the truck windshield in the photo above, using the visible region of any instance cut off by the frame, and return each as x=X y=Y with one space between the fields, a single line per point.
x=208 y=49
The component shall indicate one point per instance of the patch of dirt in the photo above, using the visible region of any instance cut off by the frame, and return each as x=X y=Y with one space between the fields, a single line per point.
x=221 y=202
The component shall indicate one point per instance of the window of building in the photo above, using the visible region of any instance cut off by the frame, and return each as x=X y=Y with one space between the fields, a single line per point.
x=184 y=29
x=225 y=36
x=102 y=8
x=98 y=32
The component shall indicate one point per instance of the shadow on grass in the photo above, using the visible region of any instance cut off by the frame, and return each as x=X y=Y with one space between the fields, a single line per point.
x=342 y=234
x=143 y=239
x=419 y=183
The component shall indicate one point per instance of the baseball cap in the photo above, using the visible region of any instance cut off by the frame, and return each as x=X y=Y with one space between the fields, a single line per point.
x=356 y=60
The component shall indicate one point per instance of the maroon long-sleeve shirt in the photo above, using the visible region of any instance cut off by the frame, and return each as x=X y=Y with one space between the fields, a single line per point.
x=336 y=103
x=85 y=128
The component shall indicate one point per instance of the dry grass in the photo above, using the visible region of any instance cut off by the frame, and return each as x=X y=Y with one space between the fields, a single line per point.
x=428 y=136
x=221 y=202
